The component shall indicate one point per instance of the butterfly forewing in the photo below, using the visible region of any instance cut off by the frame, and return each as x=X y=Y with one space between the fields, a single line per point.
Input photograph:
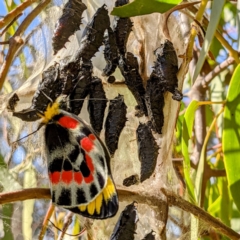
x=78 y=166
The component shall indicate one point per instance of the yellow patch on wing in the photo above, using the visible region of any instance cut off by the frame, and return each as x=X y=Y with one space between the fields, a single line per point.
x=51 y=111
x=96 y=205
x=109 y=190
x=91 y=207
x=82 y=208
x=99 y=200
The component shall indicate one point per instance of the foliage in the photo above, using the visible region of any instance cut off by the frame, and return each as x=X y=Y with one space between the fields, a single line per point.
x=141 y=7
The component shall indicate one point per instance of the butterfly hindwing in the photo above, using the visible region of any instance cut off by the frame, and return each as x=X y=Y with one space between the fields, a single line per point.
x=103 y=206
x=78 y=166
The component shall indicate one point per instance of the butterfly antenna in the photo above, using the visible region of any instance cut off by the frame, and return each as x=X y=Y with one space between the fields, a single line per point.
x=40 y=125
x=102 y=99
x=91 y=99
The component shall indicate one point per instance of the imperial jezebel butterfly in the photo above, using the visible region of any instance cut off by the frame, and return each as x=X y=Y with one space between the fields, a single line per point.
x=78 y=165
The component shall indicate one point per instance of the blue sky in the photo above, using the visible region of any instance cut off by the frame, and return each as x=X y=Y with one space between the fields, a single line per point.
x=2 y=8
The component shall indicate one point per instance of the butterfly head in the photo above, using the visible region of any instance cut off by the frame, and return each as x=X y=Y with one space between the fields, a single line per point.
x=53 y=109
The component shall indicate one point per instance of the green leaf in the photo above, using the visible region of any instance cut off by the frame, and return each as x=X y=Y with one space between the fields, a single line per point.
x=214 y=208
x=10 y=5
x=142 y=7
x=225 y=210
x=231 y=136
x=235 y=212
x=214 y=19
x=200 y=169
x=178 y=133
x=187 y=134
x=213 y=193
x=209 y=115
x=199 y=174
x=218 y=94
x=7 y=212
x=221 y=208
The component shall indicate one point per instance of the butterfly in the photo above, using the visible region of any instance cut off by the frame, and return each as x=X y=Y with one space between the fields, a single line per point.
x=78 y=165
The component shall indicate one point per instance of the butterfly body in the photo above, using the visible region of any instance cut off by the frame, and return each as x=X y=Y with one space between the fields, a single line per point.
x=78 y=165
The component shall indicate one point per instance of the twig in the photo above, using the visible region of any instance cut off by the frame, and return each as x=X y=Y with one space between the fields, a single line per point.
x=71 y=235
x=216 y=146
x=127 y=195
x=194 y=31
x=25 y=194
x=4 y=42
x=16 y=12
x=233 y=53
x=67 y=222
x=168 y=13
x=6 y=28
x=218 y=69
x=45 y=221
x=204 y=175
x=219 y=36
x=217 y=172
x=44 y=193
x=198 y=93
x=177 y=201
x=16 y=41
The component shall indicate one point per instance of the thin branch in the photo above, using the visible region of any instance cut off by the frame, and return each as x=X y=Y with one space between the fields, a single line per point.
x=217 y=172
x=6 y=28
x=179 y=202
x=206 y=167
x=168 y=13
x=4 y=42
x=45 y=221
x=68 y=234
x=217 y=146
x=194 y=30
x=67 y=222
x=16 y=41
x=211 y=172
x=233 y=53
x=25 y=194
x=16 y=12
x=124 y=194
x=127 y=195
x=218 y=69
x=198 y=93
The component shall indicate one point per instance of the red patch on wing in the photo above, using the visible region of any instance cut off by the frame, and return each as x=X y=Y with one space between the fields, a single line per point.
x=78 y=177
x=89 y=163
x=54 y=177
x=68 y=122
x=86 y=144
x=88 y=179
x=67 y=176
x=92 y=137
